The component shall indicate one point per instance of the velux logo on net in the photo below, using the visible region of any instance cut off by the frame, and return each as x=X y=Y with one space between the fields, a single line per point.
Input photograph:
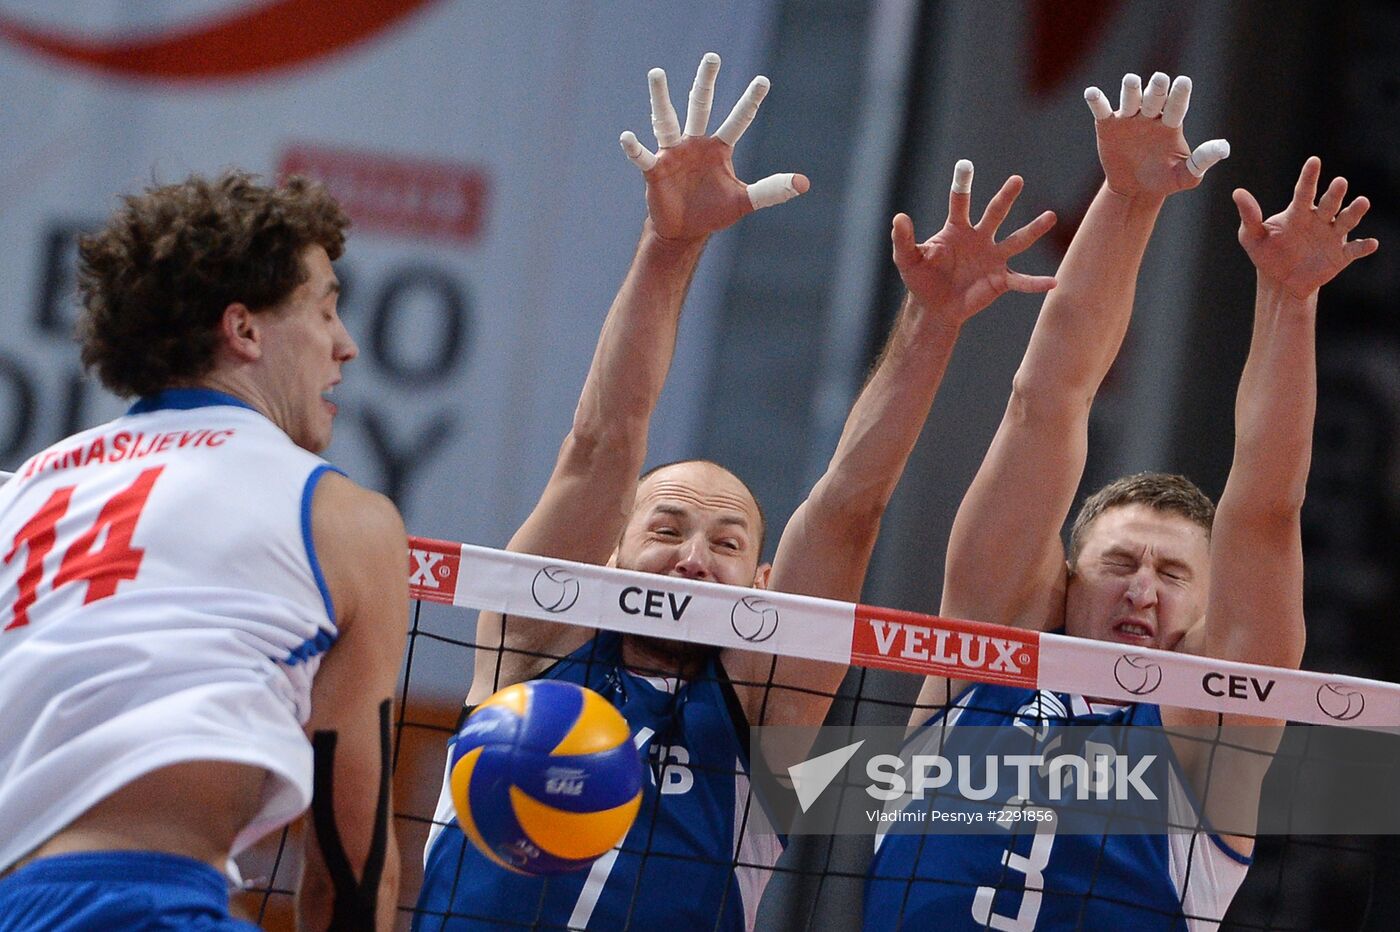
x=432 y=569
x=918 y=643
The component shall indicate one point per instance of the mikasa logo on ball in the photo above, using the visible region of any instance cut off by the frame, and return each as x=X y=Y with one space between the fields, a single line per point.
x=564 y=781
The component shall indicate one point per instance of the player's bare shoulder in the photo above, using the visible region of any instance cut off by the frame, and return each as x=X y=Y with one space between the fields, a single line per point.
x=361 y=545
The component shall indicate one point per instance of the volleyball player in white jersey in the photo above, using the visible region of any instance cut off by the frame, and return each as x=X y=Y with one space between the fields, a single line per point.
x=188 y=591
x=1146 y=567
x=696 y=857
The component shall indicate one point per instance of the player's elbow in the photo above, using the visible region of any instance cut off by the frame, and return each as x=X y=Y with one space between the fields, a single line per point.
x=1273 y=512
x=847 y=509
x=591 y=449
x=1037 y=399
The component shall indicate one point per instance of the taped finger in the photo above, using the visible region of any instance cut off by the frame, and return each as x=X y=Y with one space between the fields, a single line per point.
x=664 y=123
x=1098 y=104
x=641 y=157
x=702 y=96
x=735 y=125
x=1178 y=101
x=1206 y=155
x=1130 y=98
x=959 y=195
x=962 y=177
x=1154 y=97
x=773 y=190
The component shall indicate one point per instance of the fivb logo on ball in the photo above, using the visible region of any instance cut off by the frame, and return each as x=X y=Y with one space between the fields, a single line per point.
x=545 y=777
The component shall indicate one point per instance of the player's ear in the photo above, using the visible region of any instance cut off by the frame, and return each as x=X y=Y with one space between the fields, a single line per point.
x=761 y=575
x=239 y=333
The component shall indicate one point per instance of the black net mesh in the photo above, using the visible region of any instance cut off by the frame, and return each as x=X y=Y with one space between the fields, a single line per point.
x=704 y=871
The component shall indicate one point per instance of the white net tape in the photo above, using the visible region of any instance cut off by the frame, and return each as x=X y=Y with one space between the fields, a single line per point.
x=868 y=636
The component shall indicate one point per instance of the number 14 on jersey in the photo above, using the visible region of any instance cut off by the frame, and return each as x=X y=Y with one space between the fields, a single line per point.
x=100 y=561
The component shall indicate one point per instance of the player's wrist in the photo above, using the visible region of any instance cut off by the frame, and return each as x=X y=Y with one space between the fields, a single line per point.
x=1278 y=295
x=1135 y=200
x=680 y=247
x=941 y=319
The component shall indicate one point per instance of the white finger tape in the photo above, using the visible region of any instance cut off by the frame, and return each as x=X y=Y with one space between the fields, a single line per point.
x=1178 y=101
x=773 y=190
x=962 y=177
x=1155 y=95
x=1130 y=98
x=1206 y=155
x=638 y=153
x=702 y=96
x=1098 y=103
x=664 y=123
x=735 y=125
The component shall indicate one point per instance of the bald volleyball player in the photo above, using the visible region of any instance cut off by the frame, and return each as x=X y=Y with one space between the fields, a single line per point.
x=1151 y=561
x=698 y=857
x=194 y=606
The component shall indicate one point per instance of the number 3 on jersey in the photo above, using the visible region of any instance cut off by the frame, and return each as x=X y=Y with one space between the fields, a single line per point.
x=101 y=567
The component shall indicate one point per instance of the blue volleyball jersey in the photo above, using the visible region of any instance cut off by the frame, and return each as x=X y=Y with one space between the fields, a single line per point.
x=1028 y=876
x=697 y=856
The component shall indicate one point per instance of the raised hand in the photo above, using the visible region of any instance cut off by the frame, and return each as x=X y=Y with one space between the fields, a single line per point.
x=1141 y=145
x=692 y=190
x=961 y=269
x=1303 y=247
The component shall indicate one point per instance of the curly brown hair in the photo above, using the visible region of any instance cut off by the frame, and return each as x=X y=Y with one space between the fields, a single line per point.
x=1166 y=492
x=156 y=280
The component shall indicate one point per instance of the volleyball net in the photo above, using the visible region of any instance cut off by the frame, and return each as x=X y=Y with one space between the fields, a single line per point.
x=1323 y=843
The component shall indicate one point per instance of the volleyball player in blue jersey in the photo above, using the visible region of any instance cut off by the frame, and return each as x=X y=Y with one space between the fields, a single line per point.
x=1150 y=563
x=698 y=857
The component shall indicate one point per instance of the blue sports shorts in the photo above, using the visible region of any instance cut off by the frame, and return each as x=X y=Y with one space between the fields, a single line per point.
x=116 y=891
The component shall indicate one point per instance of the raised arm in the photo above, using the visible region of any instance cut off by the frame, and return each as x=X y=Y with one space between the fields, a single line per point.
x=1255 y=609
x=1005 y=560
x=352 y=860
x=826 y=546
x=691 y=192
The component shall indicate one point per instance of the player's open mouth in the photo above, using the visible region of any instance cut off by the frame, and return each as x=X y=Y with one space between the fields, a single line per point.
x=326 y=397
x=1135 y=632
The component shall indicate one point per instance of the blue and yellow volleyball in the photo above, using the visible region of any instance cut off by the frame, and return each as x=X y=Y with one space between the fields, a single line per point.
x=545 y=777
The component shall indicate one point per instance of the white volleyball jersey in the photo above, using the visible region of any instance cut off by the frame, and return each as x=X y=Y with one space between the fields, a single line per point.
x=160 y=602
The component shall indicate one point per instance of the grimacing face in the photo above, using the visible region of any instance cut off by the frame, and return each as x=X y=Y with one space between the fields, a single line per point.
x=1141 y=578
